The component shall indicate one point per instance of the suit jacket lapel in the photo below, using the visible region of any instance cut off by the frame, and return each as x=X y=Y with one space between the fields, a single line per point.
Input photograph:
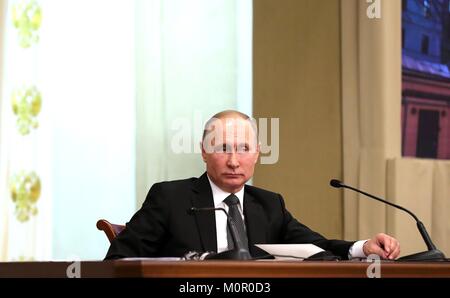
x=255 y=221
x=206 y=220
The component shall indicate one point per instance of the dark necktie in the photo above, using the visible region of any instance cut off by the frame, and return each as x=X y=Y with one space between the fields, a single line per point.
x=232 y=201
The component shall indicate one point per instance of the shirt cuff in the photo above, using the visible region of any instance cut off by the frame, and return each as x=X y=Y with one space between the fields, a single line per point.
x=356 y=251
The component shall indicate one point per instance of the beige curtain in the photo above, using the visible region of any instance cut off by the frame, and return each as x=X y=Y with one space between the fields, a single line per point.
x=422 y=186
x=371 y=77
x=371 y=100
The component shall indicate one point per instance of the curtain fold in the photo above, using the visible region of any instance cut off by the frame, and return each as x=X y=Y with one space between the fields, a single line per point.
x=410 y=184
x=440 y=220
x=67 y=141
x=24 y=138
x=422 y=186
x=3 y=191
x=371 y=78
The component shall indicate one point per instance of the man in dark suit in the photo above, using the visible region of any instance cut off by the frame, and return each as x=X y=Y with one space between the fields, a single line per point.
x=165 y=227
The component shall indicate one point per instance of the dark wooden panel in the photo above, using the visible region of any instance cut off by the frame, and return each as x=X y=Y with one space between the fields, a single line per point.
x=230 y=269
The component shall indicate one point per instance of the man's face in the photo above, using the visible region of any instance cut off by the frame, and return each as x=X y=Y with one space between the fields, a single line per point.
x=230 y=151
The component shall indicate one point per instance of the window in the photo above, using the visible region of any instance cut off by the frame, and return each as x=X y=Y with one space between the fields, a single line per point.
x=424 y=44
x=403 y=38
x=426 y=8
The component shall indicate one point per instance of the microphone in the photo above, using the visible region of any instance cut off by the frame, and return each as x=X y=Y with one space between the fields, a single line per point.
x=239 y=252
x=432 y=254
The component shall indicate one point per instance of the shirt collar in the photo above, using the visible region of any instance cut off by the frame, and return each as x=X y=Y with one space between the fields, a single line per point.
x=219 y=195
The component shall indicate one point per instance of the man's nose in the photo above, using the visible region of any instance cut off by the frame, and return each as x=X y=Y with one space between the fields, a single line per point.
x=233 y=161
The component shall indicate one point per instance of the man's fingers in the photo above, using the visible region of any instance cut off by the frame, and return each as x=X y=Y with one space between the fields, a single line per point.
x=394 y=245
x=395 y=250
x=374 y=248
x=395 y=253
x=385 y=242
x=383 y=245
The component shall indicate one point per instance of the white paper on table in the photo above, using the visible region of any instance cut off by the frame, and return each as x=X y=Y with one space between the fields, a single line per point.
x=290 y=251
x=151 y=259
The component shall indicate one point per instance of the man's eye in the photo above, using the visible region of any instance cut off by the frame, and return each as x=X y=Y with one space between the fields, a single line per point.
x=243 y=148
x=221 y=149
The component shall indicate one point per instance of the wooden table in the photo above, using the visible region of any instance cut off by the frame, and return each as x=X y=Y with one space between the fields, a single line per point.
x=223 y=269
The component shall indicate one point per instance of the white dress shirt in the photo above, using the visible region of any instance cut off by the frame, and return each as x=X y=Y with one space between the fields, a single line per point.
x=356 y=251
x=221 y=219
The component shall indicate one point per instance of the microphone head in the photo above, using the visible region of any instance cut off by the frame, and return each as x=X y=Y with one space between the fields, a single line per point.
x=335 y=183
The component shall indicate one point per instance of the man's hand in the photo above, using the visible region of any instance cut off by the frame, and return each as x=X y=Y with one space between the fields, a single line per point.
x=383 y=245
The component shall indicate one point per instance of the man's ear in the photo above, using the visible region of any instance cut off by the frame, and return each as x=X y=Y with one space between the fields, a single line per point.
x=203 y=152
x=258 y=148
